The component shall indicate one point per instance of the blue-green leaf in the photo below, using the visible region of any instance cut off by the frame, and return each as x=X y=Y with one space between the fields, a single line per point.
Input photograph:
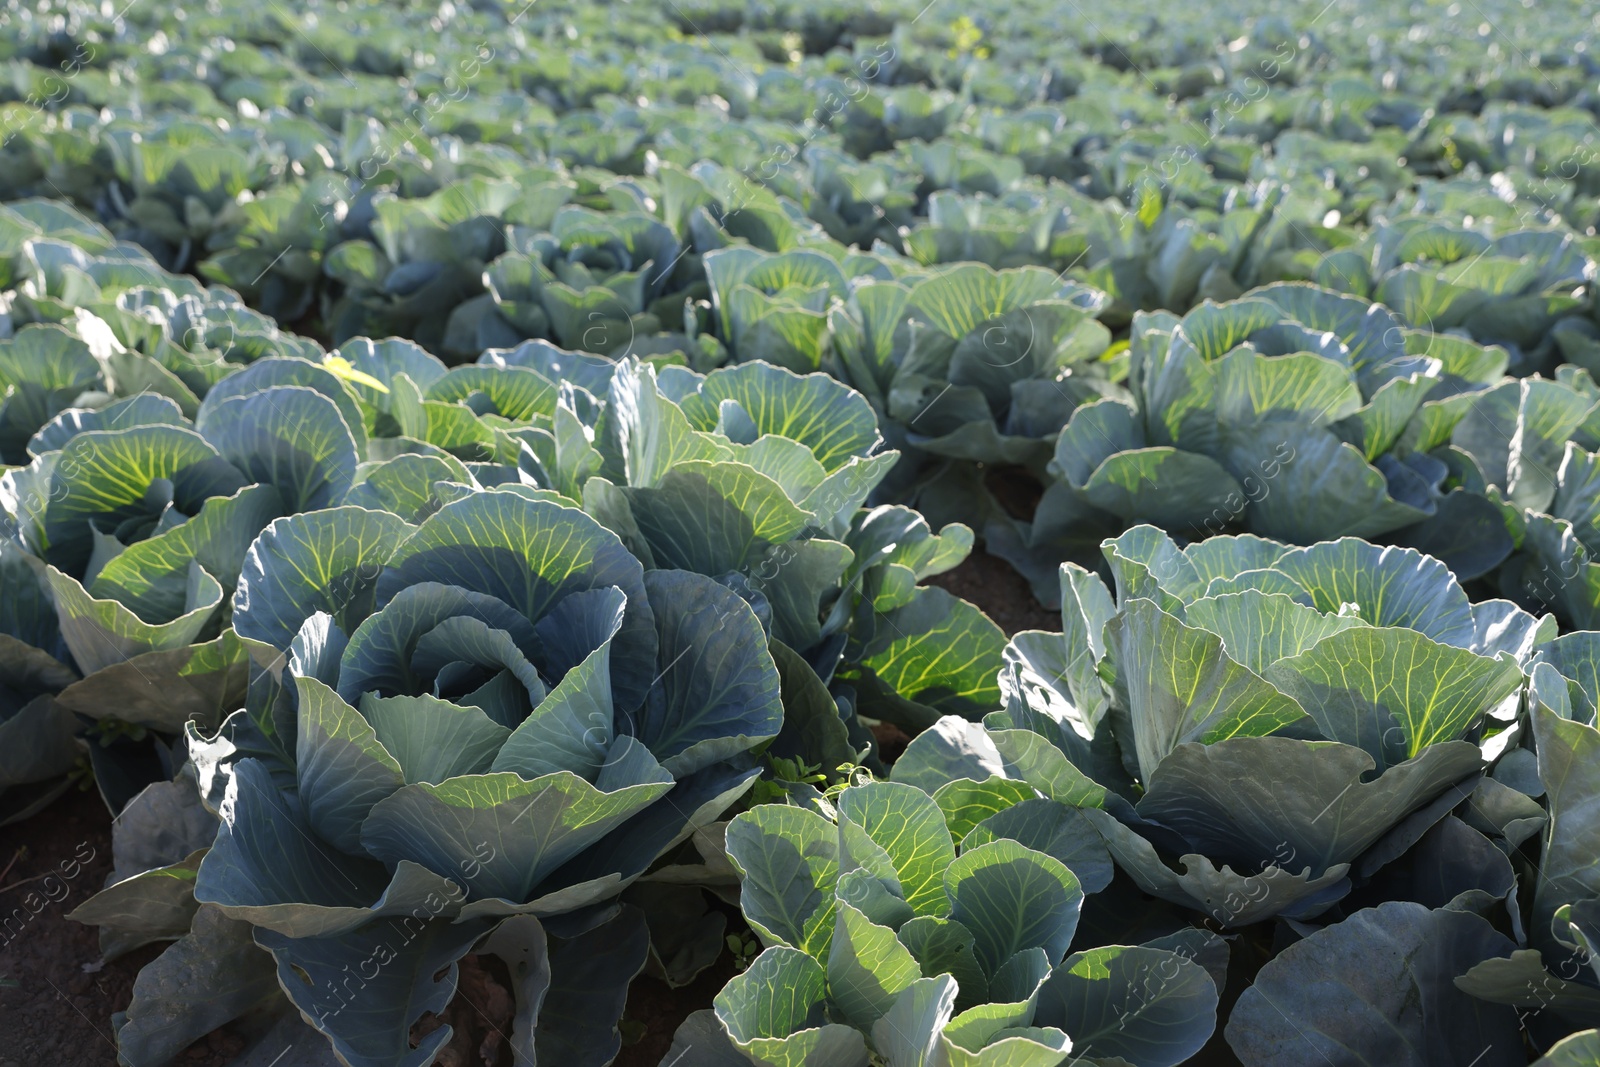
x=1378 y=987
x=1183 y=687
x=289 y=437
x=114 y=476
x=1151 y=1007
x=208 y=978
x=268 y=867
x=273 y=372
x=500 y=834
x=104 y=633
x=1392 y=691
x=343 y=770
x=1013 y=898
x=789 y=861
x=1388 y=586
x=316 y=561
x=1055 y=829
x=773 y=1012
x=369 y=1020
x=908 y=825
x=717 y=691
x=868 y=968
x=834 y=422
x=532 y=554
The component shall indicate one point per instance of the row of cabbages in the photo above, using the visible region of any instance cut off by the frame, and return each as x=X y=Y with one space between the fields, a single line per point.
x=1332 y=736
x=440 y=646
x=1372 y=397
x=163 y=426
x=461 y=656
x=1354 y=386
x=1298 y=410
x=1300 y=413
x=1329 y=739
x=955 y=225
x=376 y=204
x=257 y=146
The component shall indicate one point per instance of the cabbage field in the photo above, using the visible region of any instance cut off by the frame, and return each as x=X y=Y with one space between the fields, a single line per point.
x=486 y=488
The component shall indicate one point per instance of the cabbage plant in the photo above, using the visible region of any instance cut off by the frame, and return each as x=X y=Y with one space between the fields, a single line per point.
x=407 y=263
x=137 y=524
x=129 y=511
x=756 y=475
x=178 y=182
x=1294 y=412
x=1353 y=681
x=907 y=928
x=1529 y=445
x=1553 y=971
x=974 y=364
x=1513 y=289
x=750 y=474
x=1333 y=738
x=1539 y=983
x=774 y=306
x=495 y=713
x=588 y=281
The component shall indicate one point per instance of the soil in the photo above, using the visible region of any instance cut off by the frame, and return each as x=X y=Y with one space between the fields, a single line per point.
x=891 y=740
x=1000 y=592
x=1014 y=489
x=482 y=1016
x=656 y=1010
x=57 y=996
